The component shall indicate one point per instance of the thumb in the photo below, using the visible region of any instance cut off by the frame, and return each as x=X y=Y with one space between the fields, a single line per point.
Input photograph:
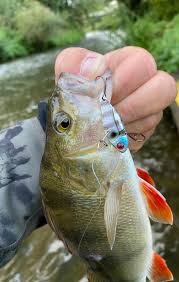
x=80 y=61
x=93 y=65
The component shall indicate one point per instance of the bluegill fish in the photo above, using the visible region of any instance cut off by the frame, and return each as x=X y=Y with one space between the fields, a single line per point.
x=94 y=198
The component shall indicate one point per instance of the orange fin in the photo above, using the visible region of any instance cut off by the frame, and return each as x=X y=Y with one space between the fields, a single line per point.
x=159 y=271
x=142 y=173
x=156 y=204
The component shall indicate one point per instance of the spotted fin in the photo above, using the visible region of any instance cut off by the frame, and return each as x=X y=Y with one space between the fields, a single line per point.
x=159 y=271
x=156 y=204
x=111 y=213
x=142 y=173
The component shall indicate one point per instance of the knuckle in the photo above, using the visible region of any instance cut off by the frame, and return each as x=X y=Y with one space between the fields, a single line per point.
x=148 y=60
x=149 y=133
x=128 y=111
x=145 y=56
x=153 y=121
x=160 y=116
x=134 y=146
x=170 y=86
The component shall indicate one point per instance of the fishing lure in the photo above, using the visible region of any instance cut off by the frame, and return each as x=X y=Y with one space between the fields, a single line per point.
x=112 y=122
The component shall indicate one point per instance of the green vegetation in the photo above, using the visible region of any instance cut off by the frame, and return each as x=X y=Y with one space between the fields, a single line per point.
x=28 y=26
x=155 y=28
x=69 y=37
x=10 y=45
x=35 y=23
x=152 y=24
x=166 y=50
x=160 y=37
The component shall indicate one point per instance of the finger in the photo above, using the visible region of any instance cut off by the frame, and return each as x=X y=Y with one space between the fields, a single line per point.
x=70 y=59
x=114 y=58
x=80 y=61
x=145 y=124
x=159 y=92
x=134 y=146
x=132 y=67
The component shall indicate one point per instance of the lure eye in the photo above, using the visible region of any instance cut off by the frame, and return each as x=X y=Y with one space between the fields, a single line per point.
x=62 y=122
x=120 y=146
x=119 y=140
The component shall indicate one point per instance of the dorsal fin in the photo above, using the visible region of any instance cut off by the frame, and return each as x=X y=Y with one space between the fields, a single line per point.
x=159 y=271
x=156 y=204
x=142 y=173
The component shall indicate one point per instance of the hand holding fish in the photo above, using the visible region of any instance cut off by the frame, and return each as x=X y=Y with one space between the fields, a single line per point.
x=140 y=91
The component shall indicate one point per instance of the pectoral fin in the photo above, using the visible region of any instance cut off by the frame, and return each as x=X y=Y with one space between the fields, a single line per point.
x=156 y=204
x=111 y=213
x=159 y=271
x=142 y=173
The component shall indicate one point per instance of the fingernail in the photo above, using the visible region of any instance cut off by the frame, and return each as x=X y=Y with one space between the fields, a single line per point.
x=93 y=65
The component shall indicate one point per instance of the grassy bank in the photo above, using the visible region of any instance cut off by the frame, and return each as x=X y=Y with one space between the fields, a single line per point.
x=152 y=24
x=27 y=27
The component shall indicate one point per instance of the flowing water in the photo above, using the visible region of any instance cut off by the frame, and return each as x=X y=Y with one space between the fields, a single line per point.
x=42 y=257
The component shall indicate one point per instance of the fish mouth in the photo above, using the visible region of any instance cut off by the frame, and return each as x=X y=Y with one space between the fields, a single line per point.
x=83 y=152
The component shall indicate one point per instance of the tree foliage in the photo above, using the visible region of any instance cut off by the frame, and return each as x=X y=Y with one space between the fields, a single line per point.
x=164 y=9
x=35 y=23
x=28 y=26
x=156 y=31
x=78 y=10
x=10 y=45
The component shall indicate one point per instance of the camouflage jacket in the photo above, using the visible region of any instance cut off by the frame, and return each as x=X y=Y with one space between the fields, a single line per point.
x=21 y=150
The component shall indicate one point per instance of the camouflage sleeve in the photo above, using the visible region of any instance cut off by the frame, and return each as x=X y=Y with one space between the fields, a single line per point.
x=21 y=149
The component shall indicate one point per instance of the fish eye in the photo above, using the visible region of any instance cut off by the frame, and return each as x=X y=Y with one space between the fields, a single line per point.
x=62 y=122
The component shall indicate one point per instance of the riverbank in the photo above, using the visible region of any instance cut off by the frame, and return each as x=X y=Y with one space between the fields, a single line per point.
x=29 y=27
x=12 y=47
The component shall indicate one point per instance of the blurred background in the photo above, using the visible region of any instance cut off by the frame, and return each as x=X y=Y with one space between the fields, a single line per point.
x=36 y=31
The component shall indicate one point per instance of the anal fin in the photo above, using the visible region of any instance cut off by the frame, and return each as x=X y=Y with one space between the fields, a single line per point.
x=159 y=271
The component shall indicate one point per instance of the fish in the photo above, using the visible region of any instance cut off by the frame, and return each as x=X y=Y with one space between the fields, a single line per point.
x=95 y=199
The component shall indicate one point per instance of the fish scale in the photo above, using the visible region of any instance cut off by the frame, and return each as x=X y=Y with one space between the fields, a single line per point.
x=80 y=204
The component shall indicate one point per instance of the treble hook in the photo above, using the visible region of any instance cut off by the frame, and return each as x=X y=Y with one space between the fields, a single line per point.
x=136 y=137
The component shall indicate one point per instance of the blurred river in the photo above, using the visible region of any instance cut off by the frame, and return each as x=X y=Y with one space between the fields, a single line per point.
x=42 y=257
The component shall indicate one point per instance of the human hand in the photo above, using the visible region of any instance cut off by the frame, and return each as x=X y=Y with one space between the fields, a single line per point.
x=140 y=91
